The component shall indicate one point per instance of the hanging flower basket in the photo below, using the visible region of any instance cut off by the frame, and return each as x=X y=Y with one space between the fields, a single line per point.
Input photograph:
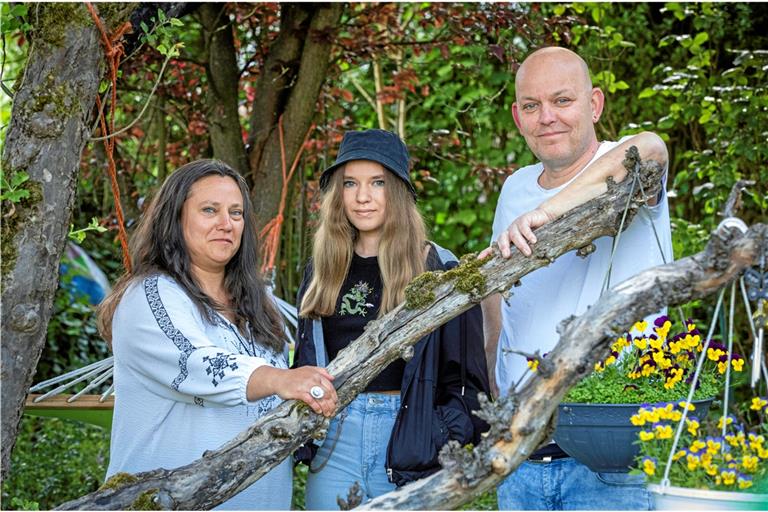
x=595 y=420
x=685 y=498
x=602 y=436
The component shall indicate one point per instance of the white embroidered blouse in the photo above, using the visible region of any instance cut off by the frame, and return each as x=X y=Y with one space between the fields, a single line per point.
x=180 y=388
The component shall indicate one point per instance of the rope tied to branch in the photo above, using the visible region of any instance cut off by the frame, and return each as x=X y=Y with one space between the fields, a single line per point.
x=113 y=51
x=270 y=233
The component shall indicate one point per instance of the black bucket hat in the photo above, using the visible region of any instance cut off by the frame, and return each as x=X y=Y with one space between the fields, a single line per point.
x=379 y=146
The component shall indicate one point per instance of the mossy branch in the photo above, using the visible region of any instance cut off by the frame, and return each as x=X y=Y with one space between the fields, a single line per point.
x=221 y=473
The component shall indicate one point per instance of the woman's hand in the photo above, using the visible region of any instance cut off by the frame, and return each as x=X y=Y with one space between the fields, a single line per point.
x=295 y=385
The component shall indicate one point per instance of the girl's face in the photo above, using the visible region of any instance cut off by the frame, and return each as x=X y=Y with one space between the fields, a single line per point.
x=364 y=194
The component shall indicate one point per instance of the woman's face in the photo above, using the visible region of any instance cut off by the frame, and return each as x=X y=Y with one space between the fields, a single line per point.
x=212 y=219
x=365 y=199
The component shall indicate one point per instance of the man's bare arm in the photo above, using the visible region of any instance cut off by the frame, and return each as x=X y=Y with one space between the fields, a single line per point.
x=588 y=185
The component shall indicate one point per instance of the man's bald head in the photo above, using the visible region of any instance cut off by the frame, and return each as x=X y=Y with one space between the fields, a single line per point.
x=555 y=57
x=556 y=108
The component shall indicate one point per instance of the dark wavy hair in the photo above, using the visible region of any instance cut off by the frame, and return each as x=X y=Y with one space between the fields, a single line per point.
x=158 y=246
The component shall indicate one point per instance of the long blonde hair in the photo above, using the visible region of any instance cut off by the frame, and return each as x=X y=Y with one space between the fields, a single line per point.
x=401 y=248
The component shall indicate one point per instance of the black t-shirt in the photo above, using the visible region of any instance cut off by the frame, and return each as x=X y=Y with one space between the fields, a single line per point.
x=358 y=303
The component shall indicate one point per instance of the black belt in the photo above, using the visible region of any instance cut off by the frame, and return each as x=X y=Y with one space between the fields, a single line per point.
x=547 y=453
x=547 y=458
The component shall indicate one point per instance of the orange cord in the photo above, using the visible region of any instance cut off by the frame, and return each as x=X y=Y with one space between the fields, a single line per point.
x=113 y=50
x=270 y=233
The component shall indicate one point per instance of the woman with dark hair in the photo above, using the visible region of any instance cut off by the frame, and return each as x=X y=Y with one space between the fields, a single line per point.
x=370 y=243
x=199 y=344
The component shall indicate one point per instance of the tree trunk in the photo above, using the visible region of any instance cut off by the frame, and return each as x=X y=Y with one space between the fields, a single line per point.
x=519 y=422
x=221 y=473
x=222 y=94
x=49 y=127
x=289 y=85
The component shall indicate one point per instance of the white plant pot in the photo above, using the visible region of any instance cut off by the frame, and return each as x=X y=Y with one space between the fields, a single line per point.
x=684 y=498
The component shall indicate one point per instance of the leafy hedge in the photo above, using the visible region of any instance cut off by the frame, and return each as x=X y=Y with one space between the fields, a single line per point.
x=54 y=461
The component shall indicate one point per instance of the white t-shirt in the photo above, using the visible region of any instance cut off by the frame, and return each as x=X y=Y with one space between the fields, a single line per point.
x=570 y=284
x=180 y=388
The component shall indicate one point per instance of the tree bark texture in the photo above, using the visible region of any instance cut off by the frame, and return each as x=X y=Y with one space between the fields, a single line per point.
x=519 y=422
x=221 y=473
x=289 y=85
x=50 y=123
x=222 y=94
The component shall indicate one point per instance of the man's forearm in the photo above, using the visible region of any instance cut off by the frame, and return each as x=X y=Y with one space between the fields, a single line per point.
x=592 y=182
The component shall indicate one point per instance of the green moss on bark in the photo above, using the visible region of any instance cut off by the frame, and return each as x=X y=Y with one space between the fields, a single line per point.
x=54 y=99
x=52 y=20
x=466 y=277
x=145 y=501
x=119 y=480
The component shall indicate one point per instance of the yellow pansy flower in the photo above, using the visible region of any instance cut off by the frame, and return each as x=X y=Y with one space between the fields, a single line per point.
x=758 y=403
x=649 y=466
x=646 y=435
x=749 y=463
x=663 y=431
x=729 y=477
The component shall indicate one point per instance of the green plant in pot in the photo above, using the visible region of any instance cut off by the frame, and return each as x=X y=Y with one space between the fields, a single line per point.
x=594 y=419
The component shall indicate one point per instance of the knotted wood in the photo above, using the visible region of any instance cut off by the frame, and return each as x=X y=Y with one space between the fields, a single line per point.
x=221 y=473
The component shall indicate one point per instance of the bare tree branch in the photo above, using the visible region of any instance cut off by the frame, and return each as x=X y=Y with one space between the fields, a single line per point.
x=518 y=423
x=435 y=299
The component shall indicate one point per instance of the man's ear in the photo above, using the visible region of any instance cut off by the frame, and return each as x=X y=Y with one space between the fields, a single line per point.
x=598 y=102
x=516 y=115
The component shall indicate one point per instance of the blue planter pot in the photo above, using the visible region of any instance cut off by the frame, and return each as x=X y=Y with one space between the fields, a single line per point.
x=601 y=436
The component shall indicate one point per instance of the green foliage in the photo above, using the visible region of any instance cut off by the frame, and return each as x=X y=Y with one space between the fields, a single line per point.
x=612 y=387
x=486 y=501
x=78 y=235
x=13 y=18
x=163 y=34
x=298 y=500
x=12 y=189
x=55 y=461
x=651 y=368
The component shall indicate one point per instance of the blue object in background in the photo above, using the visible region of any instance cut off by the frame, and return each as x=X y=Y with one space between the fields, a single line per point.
x=85 y=278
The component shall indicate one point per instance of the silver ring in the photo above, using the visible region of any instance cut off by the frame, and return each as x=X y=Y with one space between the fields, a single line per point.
x=316 y=392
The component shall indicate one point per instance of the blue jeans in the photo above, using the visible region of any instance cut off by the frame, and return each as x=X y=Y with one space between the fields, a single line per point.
x=565 y=484
x=355 y=450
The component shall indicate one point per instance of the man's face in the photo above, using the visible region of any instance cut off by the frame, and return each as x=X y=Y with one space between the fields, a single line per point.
x=556 y=109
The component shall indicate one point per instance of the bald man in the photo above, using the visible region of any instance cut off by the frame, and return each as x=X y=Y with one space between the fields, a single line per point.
x=556 y=110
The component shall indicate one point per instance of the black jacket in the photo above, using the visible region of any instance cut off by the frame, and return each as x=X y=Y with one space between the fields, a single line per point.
x=437 y=394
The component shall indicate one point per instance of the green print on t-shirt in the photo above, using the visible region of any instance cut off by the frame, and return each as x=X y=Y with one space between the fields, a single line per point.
x=353 y=302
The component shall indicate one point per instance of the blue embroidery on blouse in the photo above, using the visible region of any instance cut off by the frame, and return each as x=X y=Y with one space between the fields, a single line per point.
x=198 y=401
x=219 y=365
x=166 y=325
x=240 y=344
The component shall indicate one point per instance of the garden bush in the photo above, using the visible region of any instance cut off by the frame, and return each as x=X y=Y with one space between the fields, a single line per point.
x=54 y=461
